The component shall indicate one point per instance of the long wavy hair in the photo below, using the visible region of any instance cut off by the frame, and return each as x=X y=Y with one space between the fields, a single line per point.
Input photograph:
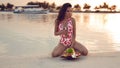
x=62 y=11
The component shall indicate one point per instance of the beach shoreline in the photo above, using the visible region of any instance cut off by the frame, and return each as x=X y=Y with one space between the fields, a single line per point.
x=104 y=60
x=81 y=11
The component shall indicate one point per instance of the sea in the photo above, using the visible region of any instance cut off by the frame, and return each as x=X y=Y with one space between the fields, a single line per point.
x=33 y=34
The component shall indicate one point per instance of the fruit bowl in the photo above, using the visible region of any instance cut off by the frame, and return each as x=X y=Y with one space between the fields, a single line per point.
x=70 y=53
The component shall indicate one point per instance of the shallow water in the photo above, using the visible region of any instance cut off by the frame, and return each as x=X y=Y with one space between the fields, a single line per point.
x=33 y=34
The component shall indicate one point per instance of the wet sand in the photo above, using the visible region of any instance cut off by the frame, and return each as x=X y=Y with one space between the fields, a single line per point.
x=104 y=60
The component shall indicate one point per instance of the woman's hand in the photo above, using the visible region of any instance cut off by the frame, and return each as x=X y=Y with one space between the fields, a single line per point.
x=65 y=31
x=65 y=28
x=62 y=32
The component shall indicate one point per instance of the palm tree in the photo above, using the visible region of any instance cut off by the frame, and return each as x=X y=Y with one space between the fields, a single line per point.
x=86 y=6
x=97 y=8
x=58 y=7
x=3 y=7
x=44 y=4
x=77 y=7
x=112 y=8
x=53 y=5
x=0 y=7
x=48 y=5
x=30 y=3
x=9 y=6
x=105 y=5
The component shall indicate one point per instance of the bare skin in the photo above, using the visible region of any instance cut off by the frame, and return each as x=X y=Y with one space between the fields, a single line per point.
x=60 y=48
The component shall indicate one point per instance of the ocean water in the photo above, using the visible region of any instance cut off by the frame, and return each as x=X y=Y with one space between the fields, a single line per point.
x=33 y=34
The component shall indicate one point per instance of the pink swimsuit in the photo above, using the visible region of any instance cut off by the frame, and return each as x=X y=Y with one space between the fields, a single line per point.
x=67 y=41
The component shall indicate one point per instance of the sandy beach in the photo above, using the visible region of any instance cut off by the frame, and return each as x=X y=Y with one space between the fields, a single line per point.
x=25 y=42
x=106 y=60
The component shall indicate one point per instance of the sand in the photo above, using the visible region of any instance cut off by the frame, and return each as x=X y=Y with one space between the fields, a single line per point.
x=104 y=60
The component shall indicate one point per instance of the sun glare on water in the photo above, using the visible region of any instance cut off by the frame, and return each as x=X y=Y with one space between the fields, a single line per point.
x=114 y=27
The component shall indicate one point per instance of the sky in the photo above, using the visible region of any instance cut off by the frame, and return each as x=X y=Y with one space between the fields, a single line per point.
x=60 y=2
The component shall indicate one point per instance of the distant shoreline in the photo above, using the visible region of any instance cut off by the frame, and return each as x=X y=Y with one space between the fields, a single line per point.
x=81 y=11
x=91 y=12
x=98 y=11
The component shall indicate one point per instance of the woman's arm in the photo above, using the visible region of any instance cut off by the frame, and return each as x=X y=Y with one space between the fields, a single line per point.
x=74 y=32
x=56 y=31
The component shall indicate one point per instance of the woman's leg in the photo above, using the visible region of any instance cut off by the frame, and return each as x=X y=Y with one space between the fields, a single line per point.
x=82 y=49
x=58 y=50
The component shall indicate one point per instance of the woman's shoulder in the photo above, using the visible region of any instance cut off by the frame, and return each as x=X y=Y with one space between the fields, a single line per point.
x=56 y=20
x=73 y=19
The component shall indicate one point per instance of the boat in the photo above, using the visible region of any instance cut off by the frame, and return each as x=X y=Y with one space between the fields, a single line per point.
x=30 y=9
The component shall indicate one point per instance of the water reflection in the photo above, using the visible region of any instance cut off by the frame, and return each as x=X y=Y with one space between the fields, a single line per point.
x=77 y=17
x=9 y=16
x=113 y=27
x=86 y=18
x=2 y=16
x=106 y=23
x=95 y=21
x=37 y=18
x=98 y=32
x=6 y=16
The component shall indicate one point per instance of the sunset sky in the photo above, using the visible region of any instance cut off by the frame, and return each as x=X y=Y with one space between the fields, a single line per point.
x=59 y=2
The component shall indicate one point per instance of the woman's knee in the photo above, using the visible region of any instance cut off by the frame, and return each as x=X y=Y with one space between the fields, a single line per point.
x=81 y=48
x=58 y=50
x=85 y=52
x=54 y=54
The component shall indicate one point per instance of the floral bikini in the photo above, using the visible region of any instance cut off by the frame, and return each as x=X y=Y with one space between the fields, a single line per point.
x=66 y=40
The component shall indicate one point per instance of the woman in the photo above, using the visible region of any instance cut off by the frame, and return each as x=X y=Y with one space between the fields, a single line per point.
x=65 y=26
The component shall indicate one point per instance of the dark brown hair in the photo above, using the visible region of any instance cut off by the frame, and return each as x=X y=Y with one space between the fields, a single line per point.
x=62 y=11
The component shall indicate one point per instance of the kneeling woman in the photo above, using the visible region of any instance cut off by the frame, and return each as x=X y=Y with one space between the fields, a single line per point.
x=65 y=26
